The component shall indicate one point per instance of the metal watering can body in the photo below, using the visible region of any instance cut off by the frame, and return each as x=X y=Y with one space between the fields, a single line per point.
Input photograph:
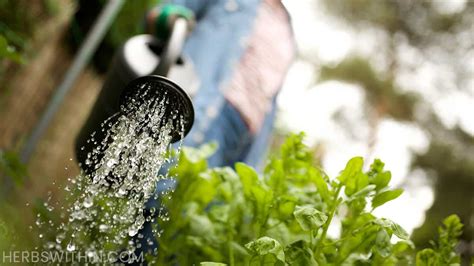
x=136 y=63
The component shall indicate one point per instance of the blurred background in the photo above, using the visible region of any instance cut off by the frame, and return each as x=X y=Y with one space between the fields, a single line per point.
x=382 y=79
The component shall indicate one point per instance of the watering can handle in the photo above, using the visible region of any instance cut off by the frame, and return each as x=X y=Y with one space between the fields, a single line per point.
x=173 y=48
x=163 y=17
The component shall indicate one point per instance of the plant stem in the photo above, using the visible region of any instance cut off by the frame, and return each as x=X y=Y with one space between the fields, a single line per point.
x=319 y=244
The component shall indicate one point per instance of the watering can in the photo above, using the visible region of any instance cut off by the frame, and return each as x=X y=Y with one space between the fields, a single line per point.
x=142 y=60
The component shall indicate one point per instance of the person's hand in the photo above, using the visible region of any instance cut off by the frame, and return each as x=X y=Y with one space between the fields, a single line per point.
x=160 y=20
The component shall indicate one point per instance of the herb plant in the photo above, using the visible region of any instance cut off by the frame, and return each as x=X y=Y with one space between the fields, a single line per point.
x=442 y=252
x=282 y=216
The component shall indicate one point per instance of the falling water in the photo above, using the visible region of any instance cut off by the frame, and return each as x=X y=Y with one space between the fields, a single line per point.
x=106 y=207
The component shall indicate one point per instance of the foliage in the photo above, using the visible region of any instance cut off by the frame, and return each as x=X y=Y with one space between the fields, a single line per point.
x=442 y=252
x=9 y=52
x=12 y=167
x=282 y=217
x=410 y=36
x=18 y=21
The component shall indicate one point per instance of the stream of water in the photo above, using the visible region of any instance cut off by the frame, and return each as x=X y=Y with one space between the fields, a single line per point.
x=104 y=211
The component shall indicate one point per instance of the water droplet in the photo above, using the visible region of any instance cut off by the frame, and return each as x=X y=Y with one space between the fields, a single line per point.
x=59 y=238
x=132 y=232
x=71 y=247
x=122 y=192
x=111 y=162
x=103 y=227
x=50 y=245
x=88 y=202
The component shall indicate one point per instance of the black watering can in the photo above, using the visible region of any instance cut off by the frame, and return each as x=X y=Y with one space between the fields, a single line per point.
x=142 y=60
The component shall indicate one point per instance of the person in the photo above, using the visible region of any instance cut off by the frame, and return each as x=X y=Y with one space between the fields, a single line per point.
x=241 y=51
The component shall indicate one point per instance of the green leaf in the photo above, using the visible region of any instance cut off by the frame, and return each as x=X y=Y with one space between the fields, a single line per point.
x=358 y=182
x=385 y=197
x=426 y=257
x=293 y=149
x=309 y=218
x=362 y=193
x=353 y=167
x=266 y=245
x=275 y=176
x=205 y=151
x=248 y=176
x=321 y=184
x=452 y=226
x=403 y=246
x=297 y=253
x=201 y=225
x=361 y=240
x=202 y=189
x=220 y=213
x=286 y=206
x=448 y=239
x=382 y=243
x=393 y=228
x=381 y=180
x=262 y=199
x=192 y=163
x=399 y=231
x=378 y=176
x=209 y=263
x=255 y=191
x=376 y=167
x=229 y=186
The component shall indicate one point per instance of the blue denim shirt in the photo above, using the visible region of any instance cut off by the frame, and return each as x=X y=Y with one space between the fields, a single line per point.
x=215 y=47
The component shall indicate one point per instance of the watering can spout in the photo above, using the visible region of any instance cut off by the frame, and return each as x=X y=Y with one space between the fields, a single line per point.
x=178 y=109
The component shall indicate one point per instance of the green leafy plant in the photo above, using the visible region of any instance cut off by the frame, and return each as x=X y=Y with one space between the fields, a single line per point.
x=282 y=217
x=442 y=252
x=19 y=20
